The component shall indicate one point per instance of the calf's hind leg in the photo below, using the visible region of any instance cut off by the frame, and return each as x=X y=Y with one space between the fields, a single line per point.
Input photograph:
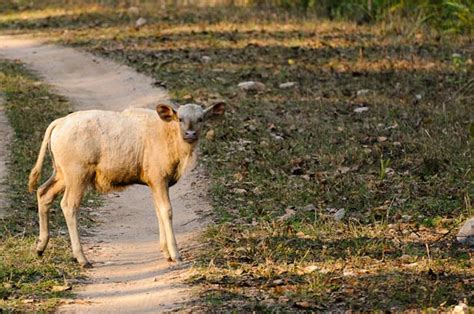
x=46 y=195
x=70 y=206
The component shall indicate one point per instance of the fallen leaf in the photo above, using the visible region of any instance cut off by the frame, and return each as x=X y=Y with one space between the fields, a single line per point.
x=343 y=170
x=310 y=269
x=303 y=304
x=361 y=109
x=133 y=11
x=301 y=235
x=339 y=214
x=363 y=92
x=61 y=288
x=278 y=282
x=287 y=85
x=210 y=135
x=251 y=86
x=240 y=191
x=289 y=212
x=140 y=22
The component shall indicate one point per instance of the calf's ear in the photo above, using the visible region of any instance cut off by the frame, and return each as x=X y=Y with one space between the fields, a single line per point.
x=215 y=110
x=166 y=113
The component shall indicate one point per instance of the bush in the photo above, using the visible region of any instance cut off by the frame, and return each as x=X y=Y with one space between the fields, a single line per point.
x=454 y=16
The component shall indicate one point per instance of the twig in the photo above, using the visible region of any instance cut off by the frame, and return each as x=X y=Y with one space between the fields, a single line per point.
x=456 y=94
x=186 y=223
x=428 y=251
x=445 y=234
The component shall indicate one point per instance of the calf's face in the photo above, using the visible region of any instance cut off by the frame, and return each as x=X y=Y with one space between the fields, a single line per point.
x=190 y=118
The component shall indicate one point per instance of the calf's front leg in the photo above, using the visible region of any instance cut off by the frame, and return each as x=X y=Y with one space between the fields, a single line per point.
x=163 y=243
x=165 y=217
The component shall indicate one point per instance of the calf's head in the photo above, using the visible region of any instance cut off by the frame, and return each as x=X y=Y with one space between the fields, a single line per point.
x=190 y=118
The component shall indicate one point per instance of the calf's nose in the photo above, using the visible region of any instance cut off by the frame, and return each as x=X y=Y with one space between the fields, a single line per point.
x=191 y=133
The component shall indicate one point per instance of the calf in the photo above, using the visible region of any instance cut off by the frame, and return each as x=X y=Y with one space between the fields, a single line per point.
x=111 y=150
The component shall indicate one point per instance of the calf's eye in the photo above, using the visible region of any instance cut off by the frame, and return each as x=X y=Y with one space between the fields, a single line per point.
x=200 y=120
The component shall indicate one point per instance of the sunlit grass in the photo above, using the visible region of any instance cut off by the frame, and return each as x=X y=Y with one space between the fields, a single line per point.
x=48 y=13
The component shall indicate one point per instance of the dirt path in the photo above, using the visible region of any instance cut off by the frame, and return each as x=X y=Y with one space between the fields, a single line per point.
x=5 y=137
x=129 y=274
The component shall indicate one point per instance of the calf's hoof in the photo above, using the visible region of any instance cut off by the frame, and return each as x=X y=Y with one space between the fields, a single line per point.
x=83 y=262
x=41 y=246
x=86 y=265
x=177 y=259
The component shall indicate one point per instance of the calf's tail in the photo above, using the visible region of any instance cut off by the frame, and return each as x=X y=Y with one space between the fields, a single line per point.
x=36 y=171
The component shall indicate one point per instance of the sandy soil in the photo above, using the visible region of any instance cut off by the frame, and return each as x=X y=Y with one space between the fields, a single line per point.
x=6 y=133
x=130 y=273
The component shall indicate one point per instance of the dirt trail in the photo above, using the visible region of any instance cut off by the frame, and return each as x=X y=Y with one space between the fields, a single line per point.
x=129 y=274
x=5 y=137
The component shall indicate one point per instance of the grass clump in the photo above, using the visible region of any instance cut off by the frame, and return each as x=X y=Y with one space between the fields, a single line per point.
x=30 y=283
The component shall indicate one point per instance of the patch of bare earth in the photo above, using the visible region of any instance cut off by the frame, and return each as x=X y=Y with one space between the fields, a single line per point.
x=130 y=273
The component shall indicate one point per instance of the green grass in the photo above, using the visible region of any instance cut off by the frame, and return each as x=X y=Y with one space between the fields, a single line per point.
x=284 y=160
x=30 y=283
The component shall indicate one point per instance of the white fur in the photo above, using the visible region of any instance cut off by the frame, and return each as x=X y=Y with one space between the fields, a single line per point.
x=111 y=150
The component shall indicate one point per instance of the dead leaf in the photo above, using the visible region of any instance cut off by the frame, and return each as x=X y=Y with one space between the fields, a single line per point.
x=303 y=304
x=289 y=212
x=363 y=92
x=61 y=288
x=339 y=214
x=210 y=135
x=343 y=170
x=310 y=269
x=361 y=109
x=287 y=85
x=251 y=86
x=133 y=11
x=301 y=235
x=206 y=59
x=240 y=191
x=140 y=22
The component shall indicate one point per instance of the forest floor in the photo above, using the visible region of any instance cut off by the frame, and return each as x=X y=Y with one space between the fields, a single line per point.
x=342 y=189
